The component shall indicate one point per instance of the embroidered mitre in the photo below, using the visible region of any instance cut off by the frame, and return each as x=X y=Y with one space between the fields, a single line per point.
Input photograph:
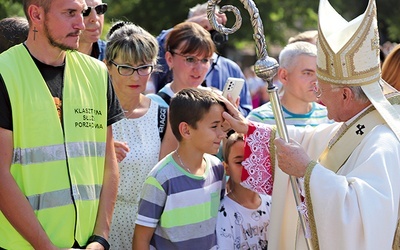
x=348 y=55
x=348 y=52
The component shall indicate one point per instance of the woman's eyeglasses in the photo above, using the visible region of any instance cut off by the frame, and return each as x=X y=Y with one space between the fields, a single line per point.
x=100 y=9
x=126 y=70
x=192 y=61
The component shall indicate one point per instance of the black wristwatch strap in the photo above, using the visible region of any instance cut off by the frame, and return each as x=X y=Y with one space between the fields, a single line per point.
x=99 y=239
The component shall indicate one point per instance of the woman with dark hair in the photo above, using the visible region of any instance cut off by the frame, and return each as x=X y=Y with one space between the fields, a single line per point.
x=189 y=48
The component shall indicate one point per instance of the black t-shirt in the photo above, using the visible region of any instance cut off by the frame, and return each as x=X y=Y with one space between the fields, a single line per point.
x=53 y=77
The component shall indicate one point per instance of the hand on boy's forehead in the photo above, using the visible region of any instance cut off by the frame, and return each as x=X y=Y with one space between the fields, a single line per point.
x=226 y=126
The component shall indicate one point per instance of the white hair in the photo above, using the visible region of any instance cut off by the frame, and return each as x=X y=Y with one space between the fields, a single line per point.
x=199 y=9
x=293 y=50
x=359 y=94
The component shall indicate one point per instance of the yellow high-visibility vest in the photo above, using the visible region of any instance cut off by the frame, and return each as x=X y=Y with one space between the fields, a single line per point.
x=58 y=165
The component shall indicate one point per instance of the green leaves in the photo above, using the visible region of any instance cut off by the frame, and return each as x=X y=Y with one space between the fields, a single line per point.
x=281 y=18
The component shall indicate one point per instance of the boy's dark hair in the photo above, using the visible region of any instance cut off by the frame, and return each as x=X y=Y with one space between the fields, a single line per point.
x=190 y=105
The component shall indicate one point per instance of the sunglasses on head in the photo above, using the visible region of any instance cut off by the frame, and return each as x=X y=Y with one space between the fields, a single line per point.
x=100 y=9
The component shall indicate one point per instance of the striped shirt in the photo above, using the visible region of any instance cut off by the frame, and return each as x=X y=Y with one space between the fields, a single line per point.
x=317 y=115
x=180 y=206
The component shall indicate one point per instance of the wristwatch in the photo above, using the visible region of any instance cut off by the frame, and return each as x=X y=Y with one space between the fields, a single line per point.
x=99 y=239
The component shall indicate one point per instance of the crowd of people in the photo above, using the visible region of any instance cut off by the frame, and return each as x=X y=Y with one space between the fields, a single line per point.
x=90 y=160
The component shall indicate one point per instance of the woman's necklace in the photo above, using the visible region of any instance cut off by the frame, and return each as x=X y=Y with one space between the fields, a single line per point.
x=180 y=160
x=130 y=112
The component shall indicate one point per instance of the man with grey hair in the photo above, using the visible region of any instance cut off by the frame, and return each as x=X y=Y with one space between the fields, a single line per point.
x=297 y=73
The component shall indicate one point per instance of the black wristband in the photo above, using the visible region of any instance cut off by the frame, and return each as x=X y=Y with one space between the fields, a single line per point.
x=99 y=239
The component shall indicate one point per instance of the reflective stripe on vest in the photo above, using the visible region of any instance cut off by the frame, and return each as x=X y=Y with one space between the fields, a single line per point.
x=57 y=152
x=57 y=198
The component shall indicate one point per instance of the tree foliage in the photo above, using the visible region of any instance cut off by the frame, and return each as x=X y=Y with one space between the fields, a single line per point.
x=277 y=16
x=10 y=8
x=281 y=18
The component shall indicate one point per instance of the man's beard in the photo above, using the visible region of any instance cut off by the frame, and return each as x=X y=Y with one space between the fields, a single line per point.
x=53 y=41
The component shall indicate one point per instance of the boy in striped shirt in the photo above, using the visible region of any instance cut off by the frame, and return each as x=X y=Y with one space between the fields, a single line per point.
x=181 y=195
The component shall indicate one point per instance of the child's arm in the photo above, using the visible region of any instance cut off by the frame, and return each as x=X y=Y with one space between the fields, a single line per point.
x=142 y=237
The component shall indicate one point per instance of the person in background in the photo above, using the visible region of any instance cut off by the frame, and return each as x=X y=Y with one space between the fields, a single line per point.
x=386 y=47
x=180 y=198
x=391 y=67
x=351 y=168
x=257 y=87
x=297 y=73
x=221 y=67
x=59 y=173
x=131 y=57
x=310 y=36
x=89 y=40
x=13 y=31
x=244 y=215
x=189 y=51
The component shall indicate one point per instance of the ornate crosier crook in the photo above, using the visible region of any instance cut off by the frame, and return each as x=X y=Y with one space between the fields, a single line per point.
x=266 y=68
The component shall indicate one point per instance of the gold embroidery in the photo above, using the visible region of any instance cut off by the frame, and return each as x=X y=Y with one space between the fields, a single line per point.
x=395 y=99
x=310 y=212
x=396 y=240
x=338 y=68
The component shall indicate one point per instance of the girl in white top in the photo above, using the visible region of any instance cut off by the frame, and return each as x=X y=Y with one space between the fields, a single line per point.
x=244 y=215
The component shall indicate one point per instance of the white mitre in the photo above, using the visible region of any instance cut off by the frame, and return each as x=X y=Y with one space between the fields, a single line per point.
x=348 y=55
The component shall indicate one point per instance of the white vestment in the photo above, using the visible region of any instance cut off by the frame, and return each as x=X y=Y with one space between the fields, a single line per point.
x=355 y=208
